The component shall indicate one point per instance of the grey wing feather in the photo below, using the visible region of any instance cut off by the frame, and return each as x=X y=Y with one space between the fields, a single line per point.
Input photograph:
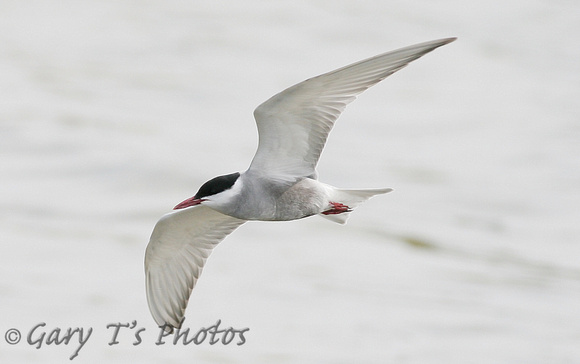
x=294 y=124
x=180 y=244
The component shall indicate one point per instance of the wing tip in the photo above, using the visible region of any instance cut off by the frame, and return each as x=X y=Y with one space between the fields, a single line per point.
x=438 y=42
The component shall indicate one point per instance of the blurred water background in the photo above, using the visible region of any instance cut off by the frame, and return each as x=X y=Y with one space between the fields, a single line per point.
x=113 y=111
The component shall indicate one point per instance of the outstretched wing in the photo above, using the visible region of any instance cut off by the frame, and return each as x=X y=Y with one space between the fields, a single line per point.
x=180 y=244
x=294 y=124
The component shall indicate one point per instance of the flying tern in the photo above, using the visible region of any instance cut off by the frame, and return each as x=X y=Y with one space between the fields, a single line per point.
x=281 y=183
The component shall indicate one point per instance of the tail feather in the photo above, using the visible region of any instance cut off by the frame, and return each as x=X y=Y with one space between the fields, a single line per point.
x=351 y=198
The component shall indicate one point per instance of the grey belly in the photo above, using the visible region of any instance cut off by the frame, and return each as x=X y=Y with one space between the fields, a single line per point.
x=301 y=200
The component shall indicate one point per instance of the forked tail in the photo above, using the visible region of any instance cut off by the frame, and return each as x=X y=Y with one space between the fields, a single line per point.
x=343 y=201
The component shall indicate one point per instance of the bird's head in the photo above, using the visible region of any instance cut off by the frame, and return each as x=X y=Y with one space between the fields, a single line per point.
x=213 y=190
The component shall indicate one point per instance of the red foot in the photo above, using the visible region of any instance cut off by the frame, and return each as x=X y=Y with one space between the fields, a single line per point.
x=337 y=208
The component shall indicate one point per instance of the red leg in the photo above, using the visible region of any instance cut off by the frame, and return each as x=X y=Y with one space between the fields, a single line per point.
x=337 y=208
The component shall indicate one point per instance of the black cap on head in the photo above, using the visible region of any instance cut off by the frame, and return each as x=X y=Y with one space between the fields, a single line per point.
x=217 y=185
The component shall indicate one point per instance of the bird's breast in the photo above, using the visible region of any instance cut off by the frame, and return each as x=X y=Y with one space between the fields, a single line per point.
x=271 y=200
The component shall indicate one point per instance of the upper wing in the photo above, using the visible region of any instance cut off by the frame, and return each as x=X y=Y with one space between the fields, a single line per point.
x=181 y=242
x=294 y=124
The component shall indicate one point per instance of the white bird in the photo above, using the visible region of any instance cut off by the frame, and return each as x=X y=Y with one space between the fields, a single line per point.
x=280 y=184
